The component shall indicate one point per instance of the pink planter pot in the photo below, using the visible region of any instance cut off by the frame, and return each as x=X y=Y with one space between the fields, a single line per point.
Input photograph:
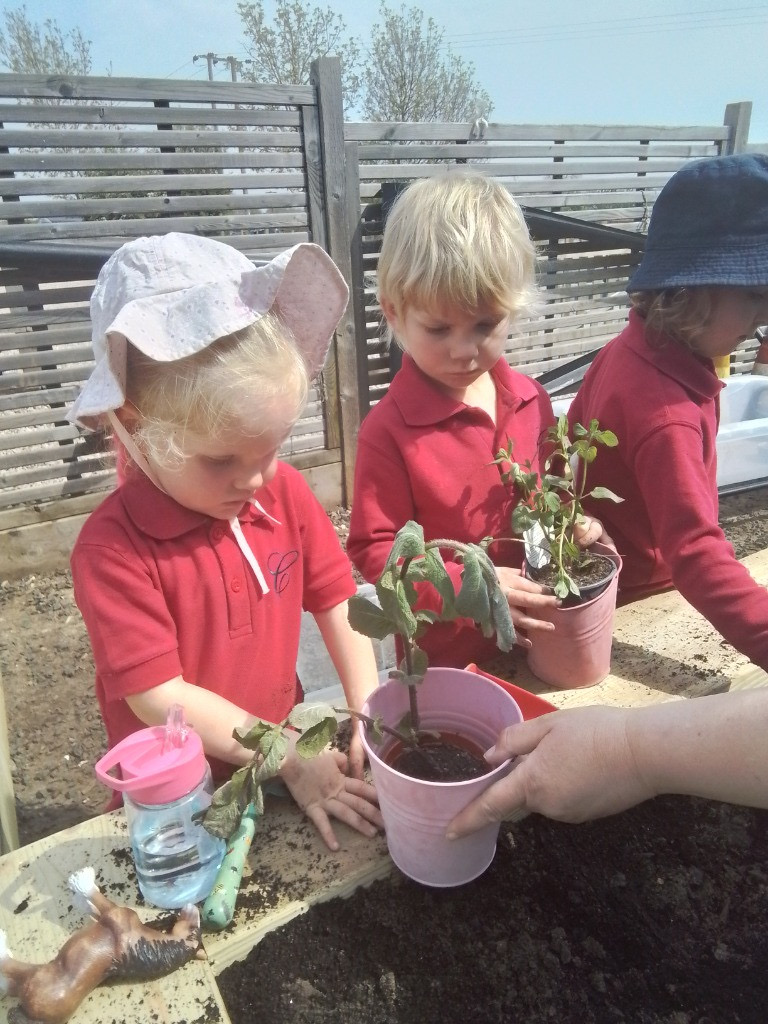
x=416 y=813
x=578 y=653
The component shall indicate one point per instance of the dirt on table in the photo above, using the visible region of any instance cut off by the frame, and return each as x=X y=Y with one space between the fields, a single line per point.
x=654 y=916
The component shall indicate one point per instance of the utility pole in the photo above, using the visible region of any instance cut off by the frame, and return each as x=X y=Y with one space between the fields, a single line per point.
x=233 y=63
x=210 y=58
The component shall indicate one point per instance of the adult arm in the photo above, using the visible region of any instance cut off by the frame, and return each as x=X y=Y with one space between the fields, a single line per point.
x=585 y=763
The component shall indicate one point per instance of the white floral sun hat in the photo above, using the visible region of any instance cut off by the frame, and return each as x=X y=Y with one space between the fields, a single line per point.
x=172 y=295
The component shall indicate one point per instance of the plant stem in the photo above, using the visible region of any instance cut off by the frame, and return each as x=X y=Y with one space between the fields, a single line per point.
x=408 y=656
x=407 y=741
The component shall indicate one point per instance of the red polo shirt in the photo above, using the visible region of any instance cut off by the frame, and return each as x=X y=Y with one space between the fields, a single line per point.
x=422 y=455
x=165 y=591
x=663 y=405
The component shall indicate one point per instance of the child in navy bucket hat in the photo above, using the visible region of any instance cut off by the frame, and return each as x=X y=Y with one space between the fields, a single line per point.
x=700 y=291
x=192 y=575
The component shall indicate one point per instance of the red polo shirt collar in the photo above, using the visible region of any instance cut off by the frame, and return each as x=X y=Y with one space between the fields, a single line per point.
x=422 y=403
x=696 y=374
x=158 y=516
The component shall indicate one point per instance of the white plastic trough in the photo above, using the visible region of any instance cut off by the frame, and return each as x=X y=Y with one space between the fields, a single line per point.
x=742 y=440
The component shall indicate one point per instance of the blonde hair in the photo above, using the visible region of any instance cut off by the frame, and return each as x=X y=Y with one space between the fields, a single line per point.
x=676 y=313
x=459 y=240
x=254 y=382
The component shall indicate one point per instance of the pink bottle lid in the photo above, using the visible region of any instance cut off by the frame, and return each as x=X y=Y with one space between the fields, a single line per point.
x=156 y=765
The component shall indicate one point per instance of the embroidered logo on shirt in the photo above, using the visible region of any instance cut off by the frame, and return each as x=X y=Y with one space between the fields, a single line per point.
x=279 y=566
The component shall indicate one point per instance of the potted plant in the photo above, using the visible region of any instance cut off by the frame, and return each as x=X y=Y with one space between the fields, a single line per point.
x=425 y=729
x=578 y=653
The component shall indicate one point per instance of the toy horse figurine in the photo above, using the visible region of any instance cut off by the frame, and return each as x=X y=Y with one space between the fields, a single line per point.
x=115 y=945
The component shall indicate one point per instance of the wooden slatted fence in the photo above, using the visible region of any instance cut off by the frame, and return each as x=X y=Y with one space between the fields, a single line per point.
x=88 y=163
x=599 y=175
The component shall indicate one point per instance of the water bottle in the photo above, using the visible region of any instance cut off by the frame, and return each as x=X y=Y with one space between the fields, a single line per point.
x=166 y=784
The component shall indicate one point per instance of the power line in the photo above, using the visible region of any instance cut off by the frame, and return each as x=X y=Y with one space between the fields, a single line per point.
x=671 y=22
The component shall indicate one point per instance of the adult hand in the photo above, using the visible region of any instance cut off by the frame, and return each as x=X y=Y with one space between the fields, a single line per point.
x=578 y=765
x=323 y=790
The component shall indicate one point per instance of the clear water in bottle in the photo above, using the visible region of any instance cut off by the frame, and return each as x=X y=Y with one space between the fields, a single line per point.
x=176 y=859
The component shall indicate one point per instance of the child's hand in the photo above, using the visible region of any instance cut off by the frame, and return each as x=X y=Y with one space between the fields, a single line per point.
x=588 y=531
x=524 y=597
x=323 y=791
x=356 y=754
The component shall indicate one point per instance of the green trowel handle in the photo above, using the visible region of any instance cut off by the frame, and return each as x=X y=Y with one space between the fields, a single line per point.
x=219 y=908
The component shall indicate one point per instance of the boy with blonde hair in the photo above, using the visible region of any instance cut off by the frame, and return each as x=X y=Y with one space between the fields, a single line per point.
x=456 y=271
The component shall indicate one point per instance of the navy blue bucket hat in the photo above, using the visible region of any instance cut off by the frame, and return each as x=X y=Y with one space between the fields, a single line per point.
x=709 y=226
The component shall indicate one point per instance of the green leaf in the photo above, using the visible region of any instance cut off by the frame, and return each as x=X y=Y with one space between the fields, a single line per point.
x=472 y=599
x=604 y=492
x=252 y=738
x=367 y=618
x=274 y=749
x=305 y=715
x=408 y=543
x=317 y=737
x=433 y=570
x=506 y=638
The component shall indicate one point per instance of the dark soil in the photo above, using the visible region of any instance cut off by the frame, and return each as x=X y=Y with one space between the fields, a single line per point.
x=655 y=916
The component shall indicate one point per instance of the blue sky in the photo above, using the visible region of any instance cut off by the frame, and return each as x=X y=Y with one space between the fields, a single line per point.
x=542 y=61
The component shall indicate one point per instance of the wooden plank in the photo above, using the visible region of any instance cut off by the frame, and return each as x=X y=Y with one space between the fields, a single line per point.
x=57 y=489
x=37 y=915
x=122 y=183
x=737 y=118
x=56 y=160
x=358 y=293
x=107 y=114
x=43 y=357
x=55 y=138
x=152 y=225
x=537 y=168
x=77 y=88
x=9 y=828
x=367 y=131
x=518 y=184
x=70 y=209
x=38 y=399
x=389 y=151
x=342 y=392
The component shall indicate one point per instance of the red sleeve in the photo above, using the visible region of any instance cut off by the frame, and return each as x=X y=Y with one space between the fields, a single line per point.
x=382 y=504
x=328 y=576
x=133 y=636
x=702 y=563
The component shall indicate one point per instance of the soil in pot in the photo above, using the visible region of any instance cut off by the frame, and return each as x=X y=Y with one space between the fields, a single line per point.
x=653 y=916
x=591 y=577
x=446 y=757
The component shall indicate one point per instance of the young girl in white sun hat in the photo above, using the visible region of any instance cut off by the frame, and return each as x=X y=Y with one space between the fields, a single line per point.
x=192 y=575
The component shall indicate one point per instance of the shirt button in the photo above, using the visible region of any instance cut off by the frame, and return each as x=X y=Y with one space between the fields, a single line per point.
x=217 y=532
x=236 y=585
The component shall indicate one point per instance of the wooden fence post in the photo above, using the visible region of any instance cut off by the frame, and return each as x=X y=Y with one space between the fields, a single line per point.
x=326 y=78
x=357 y=299
x=737 y=118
